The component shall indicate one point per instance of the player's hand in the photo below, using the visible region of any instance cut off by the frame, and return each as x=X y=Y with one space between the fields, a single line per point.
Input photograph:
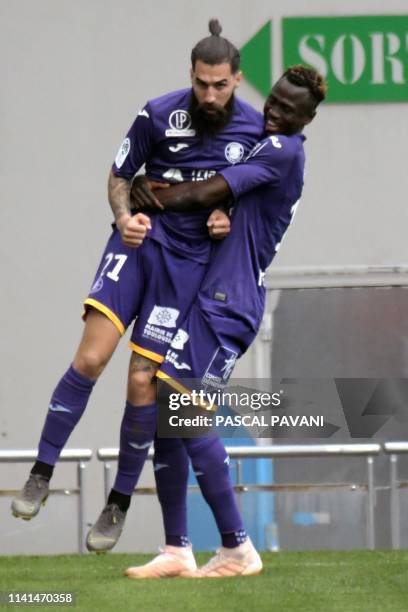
x=133 y=229
x=219 y=224
x=142 y=196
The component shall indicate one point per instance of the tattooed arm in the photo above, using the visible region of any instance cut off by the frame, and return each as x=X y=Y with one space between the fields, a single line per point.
x=132 y=228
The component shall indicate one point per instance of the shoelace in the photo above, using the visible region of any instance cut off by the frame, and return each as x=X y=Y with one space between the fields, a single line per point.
x=215 y=561
x=219 y=559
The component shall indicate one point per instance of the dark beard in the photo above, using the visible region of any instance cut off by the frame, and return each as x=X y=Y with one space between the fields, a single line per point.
x=206 y=124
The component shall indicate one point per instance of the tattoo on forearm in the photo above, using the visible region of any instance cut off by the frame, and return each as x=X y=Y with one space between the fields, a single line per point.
x=119 y=195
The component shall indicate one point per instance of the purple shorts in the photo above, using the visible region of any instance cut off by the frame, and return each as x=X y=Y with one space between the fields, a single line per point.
x=117 y=289
x=150 y=283
x=171 y=286
x=205 y=349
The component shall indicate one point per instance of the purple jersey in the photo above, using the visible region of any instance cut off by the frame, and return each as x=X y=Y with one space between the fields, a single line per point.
x=162 y=138
x=233 y=286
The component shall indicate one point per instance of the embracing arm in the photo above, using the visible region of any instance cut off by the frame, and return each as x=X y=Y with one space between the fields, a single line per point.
x=195 y=194
x=189 y=196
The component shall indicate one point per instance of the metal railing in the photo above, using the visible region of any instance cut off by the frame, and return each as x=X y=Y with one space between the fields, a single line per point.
x=394 y=449
x=238 y=453
x=80 y=456
x=106 y=455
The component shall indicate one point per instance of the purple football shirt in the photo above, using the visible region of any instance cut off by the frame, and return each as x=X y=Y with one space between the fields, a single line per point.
x=162 y=138
x=267 y=188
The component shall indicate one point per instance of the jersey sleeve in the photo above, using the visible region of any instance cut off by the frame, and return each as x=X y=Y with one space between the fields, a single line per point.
x=136 y=147
x=267 y=163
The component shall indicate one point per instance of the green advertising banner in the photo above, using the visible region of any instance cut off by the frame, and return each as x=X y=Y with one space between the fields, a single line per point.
x=256 y=59
x=365 y=59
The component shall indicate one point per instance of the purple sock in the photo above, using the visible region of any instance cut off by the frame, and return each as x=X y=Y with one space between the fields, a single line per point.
x=211 y=466
x=136 y=435
x=171 y=467
x=66 y=407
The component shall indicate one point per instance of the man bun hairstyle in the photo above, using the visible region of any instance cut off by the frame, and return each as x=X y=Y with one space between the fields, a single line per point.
x=305 y=76
x=215 y=49
x=215 y=27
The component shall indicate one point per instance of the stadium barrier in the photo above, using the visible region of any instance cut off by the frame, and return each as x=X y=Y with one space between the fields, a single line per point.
x=79 y=456
x=394 y=449
x=324 y=277
x=368 y=451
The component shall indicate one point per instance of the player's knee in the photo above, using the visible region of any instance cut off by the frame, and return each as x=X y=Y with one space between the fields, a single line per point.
x=90 y=363
x=141 y=388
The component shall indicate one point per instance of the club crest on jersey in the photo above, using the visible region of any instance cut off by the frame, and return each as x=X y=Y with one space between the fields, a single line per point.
x=163 y=316
x=180 y=124
x=220 y=367
x=234 y=152
x=122 y=153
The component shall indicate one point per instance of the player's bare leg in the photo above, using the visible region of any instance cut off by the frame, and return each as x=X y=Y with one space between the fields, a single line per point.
x=136 y=435
x=98 y=343
x=68 y=402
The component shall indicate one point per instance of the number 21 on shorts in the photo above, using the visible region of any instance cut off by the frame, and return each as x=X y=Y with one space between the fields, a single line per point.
x=114 y=273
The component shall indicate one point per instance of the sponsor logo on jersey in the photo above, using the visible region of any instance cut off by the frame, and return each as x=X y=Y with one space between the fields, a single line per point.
x=180 y=340
x=181 y=366
x=178 y=147
x=174 y=175
x=221 y=365
x=234 y=152
x=122 y=153
x=163 y=316
x=179 y=122
x=172 y=358
x=261 y=279
x=228 y=367
x=275 y=141
x=58 y=408
x=202 y=175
